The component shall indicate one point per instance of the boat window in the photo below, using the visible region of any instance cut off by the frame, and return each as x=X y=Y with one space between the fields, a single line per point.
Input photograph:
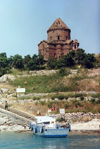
x=46 y=122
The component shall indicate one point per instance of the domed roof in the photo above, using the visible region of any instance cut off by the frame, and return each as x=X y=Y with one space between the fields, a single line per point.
x=58 y=24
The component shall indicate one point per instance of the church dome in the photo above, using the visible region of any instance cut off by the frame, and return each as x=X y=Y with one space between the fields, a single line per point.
x=58 y=24
x=58 y=31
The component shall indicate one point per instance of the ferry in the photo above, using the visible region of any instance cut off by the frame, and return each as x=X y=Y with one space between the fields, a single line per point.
x=45 y=126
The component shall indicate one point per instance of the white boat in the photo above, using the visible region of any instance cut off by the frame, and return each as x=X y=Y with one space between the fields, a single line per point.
x=46 y=126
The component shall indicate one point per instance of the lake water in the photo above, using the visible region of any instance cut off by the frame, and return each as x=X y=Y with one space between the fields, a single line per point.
x=10 y=140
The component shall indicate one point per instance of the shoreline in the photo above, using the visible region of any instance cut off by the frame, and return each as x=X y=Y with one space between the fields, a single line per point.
x=84 y=132
x=11 y=122
x=20 y=129
x=70 y=133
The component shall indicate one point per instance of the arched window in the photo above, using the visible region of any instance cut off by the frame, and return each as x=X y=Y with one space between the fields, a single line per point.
x=58 y=37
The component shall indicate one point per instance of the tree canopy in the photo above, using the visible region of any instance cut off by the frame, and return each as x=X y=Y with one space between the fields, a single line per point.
x=36 y=62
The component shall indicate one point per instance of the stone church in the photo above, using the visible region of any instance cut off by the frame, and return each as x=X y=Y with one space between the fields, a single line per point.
x=59 y=42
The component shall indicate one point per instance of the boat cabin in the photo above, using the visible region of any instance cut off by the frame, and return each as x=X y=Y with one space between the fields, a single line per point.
x=45 y=120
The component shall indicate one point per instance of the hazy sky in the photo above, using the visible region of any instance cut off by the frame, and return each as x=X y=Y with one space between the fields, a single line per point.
x=24 y=23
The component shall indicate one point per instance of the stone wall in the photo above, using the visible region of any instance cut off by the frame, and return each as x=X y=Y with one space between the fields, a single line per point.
x=78 y=117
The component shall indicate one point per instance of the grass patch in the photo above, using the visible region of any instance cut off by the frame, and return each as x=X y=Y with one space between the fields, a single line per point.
x=48 y=84
x=36 y=98
x=39 y=84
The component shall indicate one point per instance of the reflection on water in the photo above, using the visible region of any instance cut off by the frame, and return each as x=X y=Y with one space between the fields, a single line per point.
x=29 y=141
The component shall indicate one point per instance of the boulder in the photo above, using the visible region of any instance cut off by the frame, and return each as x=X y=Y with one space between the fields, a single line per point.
x=11 y=77
x=17 y=128
x=3 y=78
x=7 y=77
x=2 y=121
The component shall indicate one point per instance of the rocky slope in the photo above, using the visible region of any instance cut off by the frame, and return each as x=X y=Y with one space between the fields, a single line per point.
x=7 y=92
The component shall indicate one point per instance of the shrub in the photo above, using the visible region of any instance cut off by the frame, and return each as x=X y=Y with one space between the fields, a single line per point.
x=53 y=97
x=50 y=105
x=66 y=96
x=76 y=103
x=82 y=98
x=36 y=98
x=78 y=95
x=60 y=97
x=42 y=102
x=62 y=71
x=66 y=105
x=93 y=100
x=58 y=119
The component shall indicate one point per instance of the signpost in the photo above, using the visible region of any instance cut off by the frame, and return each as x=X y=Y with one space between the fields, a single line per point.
x=20 y=90
x=62 y=112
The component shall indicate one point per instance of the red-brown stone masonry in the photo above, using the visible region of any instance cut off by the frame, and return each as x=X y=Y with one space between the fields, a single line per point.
x=53 y=51
x=63 y=35
x=57 y=44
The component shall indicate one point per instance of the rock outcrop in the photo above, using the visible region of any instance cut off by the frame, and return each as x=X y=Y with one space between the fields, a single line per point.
x=12 y=122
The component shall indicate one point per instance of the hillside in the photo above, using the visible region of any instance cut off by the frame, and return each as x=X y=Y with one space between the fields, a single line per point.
x=72 y=89
x=44 y=81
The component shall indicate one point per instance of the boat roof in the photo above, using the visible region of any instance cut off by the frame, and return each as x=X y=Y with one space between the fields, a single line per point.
x=41 y=119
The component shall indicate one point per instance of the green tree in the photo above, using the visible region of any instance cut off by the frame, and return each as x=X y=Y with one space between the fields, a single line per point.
x=26 y=59
x=35 y=62
x=18 y=61
x=34 y=57
x=60 y=63
x=68 y=60
x=80 y=56
x=52 y=62
x=32 y=65
x=41 y=59
x=3 y=64
x=72 y=53
x=89 y=60
x=10 y=61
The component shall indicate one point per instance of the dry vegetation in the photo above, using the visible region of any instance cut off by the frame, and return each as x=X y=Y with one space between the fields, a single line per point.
x=83 y=80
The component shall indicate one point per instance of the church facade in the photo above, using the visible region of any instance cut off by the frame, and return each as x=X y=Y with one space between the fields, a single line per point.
x=59 y=42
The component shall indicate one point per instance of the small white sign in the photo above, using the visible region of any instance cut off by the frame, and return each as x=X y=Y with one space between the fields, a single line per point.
x=62 y=111
x=20 y=90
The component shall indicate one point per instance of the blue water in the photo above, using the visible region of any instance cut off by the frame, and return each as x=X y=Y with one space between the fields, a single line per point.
x=29 y=141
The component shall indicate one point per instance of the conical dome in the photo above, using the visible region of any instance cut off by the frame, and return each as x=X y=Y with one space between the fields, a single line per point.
x=58 y=24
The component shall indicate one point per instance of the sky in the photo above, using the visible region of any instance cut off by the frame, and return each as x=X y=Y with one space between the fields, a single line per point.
x=24 y=24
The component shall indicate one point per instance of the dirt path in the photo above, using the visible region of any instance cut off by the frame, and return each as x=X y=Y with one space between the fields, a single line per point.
x=20 y=113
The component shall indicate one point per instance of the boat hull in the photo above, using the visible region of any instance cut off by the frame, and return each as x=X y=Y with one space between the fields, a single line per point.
x=53 y=133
